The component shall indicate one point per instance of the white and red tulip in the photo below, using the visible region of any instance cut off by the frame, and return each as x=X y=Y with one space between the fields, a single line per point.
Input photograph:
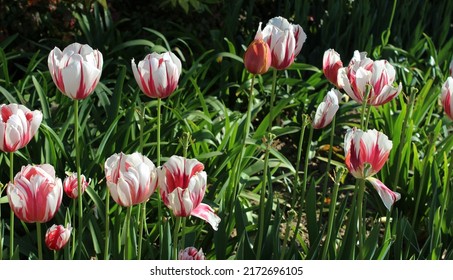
x=18 y=126
x=365 y=78
x=191 y=253
x=57 y=236
x=131 y=178
x=331 y=63
x=70 y=186
x=285 y=41
x=447 y=97
x=365 y=154
x=158 y=74
x=451 y=68
x=327 y=109
x=182 y=184
x=76 y=70
x=35 y=195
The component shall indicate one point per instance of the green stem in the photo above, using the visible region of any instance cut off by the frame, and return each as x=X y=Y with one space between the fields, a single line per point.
x=11 y=221
x=38 y=236
x=159 y=199
x=175 y=237
x=360 y=199
x=265 y=168
x=107 y=225
x=127 y=242
x=329 y=159
x=79 y=187
x=332 y=212
x=142 y=213
x=73 y=210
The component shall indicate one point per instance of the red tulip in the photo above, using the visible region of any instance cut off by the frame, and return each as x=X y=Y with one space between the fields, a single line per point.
x=285 y=41
x=257 y=58
x=18 y=126
x=57 y=236
x=331 y=63
x=191 y=253
x=446 y=97
x=158 y=74
x=76 y=70
x=182 y=185
x=36 y=193
x=363 y=72
x=70 y=186
x=131 y=179
x=327 y=109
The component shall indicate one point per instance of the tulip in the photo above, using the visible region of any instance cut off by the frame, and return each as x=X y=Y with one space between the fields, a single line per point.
x=365 y=154
x=36 y=193
x=327 y=109
x=182 y=187
x=157 y=74
x=331 y=63
x=18 y=126
x=131 y=179
x=75 y=71
x=446 y=97
x=451 y=68
x=70 y=185
x=362 y=73
x=257 y=58
x=191 y=253
x=285 y=41
x=57 y=236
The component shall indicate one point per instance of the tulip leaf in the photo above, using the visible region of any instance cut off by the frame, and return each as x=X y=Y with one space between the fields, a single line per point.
x=3 y=199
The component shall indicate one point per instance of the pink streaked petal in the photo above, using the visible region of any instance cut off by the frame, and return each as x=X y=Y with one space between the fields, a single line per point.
x=205 y=212
x=388 y=196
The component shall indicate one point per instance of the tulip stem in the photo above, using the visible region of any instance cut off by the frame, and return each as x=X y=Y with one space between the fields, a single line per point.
x=38 y=236
x=329 y=159
x=360 y=198
x=79 y=187
x=128 y=235
x=73 y=210
x=107 y=224
x=11 y=221
x=265 y=168
x=175 y=237
x=142 y=213
x=159 y=199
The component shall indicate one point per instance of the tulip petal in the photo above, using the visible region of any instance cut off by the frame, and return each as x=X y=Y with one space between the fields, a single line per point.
x=205 y=212
x=388 y=196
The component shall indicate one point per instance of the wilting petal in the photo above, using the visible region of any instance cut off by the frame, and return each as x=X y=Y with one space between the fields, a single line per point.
x=388 y=197
x=205 y=212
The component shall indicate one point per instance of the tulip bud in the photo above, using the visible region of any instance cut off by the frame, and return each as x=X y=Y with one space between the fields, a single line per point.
x=257 y=58
x=57 y=236
x=191 y=253
x=331 y=62
x=70 y=185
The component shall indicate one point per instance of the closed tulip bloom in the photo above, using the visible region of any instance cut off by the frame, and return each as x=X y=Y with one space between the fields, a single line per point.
x=257 y=58
x=76 y=70
x=70 y=186
x=446 y=97
x=191 y=253
x=182 y=184
x=57 y=236
x=285 y=41
x=157 y=75
x=365 y=154
x=131 y=179
x=363 y=72
x=327 y=109
x=18 y=126
x=331 y=63
x=36 y=193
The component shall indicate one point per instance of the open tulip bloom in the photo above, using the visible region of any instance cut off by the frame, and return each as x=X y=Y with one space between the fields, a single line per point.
x=362 y=74
x=158 y=74
x=57 y=236
x=365 y=154
x=285 y=41
x=35 y=195
x=131 y=178
x=446 y=97
x=327 y=109
x=76 y=70
x=182 y=184
x=18 y=126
